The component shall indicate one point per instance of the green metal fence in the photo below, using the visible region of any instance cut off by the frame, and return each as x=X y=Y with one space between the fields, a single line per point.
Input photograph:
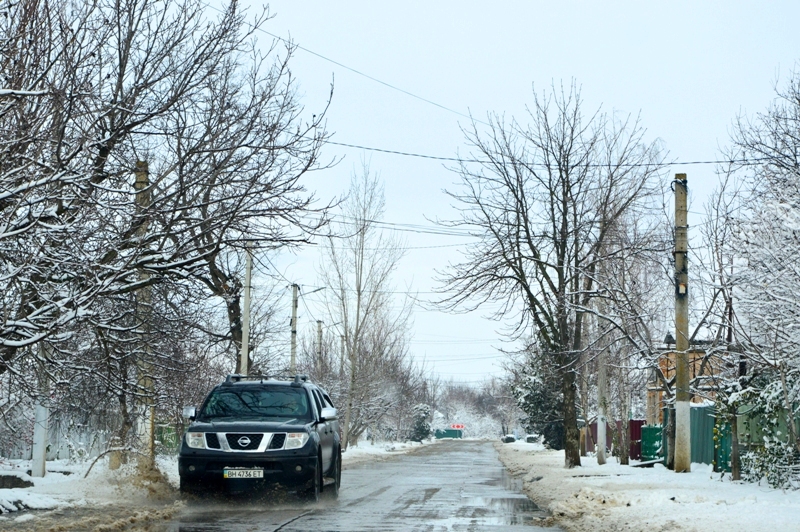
x=448 y=433
x=702 y=419
x=651 y=442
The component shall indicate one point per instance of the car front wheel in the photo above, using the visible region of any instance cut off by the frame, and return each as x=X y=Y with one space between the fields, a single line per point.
x=189 y=486
x=336 y=475
x=314 y=491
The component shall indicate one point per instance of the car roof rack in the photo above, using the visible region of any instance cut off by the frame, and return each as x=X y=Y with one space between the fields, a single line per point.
x=299 y=380
x=296 y=380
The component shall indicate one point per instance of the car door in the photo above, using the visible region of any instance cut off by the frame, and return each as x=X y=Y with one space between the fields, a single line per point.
x=325 y=429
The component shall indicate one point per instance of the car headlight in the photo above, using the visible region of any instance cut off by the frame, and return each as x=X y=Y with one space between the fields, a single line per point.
x=196 y=440
x=295 y=440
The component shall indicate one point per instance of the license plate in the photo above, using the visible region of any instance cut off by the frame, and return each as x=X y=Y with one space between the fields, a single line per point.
x=243 y=473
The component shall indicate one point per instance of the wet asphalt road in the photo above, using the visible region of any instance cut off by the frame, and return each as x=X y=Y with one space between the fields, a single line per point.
x=455 y=485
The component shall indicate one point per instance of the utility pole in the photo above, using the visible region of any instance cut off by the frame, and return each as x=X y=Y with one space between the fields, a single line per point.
x=341 y=355
x=319 y=338
x=683 y=443
x=244 y=363
x=602 y=402
x=144 y=299
x=293 y=359
x=41 y=427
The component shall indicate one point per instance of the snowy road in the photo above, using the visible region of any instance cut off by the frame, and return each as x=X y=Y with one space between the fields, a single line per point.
x=456 y=485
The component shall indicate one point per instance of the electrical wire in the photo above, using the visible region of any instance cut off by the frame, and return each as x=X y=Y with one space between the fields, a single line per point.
x=446 y=360
x=743 y=162
x=291 y=44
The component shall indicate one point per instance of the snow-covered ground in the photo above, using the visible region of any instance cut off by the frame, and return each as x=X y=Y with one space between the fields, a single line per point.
x=592 y=497
x=366 y=451
x=64 y=486
x=622 y=498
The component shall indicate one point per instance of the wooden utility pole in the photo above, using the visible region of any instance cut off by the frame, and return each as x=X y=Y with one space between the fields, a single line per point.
x=244 y=363
x=683 y=443
x=293 y=355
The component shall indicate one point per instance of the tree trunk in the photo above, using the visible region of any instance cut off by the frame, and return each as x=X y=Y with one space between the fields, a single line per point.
x=625 y=442
x=624 y=430
x=735 y=466
x=572 y=438
x=670 y=458
x=349 y=414
x=586 y=434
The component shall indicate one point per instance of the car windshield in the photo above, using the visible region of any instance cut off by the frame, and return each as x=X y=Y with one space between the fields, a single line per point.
x=264 y=401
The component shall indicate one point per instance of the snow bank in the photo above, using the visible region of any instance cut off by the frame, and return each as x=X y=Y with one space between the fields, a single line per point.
x=622 y=498
x=65 y=485
x=366 y=451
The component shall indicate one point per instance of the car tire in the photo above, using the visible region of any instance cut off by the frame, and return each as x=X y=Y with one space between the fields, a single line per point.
x=337 y=475
x=189 y=487
x=314 y=491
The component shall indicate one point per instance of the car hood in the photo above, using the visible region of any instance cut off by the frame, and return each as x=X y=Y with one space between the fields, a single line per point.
x=250 y=425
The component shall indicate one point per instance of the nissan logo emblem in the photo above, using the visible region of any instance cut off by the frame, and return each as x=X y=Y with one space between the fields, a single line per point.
x=244 y=441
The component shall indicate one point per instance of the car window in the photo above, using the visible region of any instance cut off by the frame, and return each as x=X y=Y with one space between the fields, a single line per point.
x=318 y=400
x=277 y=401
x=328 y=401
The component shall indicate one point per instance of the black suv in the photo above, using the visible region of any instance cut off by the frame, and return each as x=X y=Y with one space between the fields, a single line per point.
x=252 y=432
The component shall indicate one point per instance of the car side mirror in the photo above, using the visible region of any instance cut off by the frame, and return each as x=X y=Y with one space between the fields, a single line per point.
x=328 y=414
x=189 y=412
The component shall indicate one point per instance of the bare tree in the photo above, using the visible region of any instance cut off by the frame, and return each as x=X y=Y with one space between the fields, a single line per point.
x=90 y=91
x=357 y=269
x=111 y=83
x=542 y=198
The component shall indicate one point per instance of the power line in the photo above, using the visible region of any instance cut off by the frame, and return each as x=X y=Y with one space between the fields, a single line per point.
x=376 y=80
x=291 y=44
x=446 y=360
x=406 y=153
x=743 y=162
x=454 y=342
x=404 y=227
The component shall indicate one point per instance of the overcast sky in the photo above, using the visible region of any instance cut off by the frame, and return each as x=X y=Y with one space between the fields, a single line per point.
x=688 y=68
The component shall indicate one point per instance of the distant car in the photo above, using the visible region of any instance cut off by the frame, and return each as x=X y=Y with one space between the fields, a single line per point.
x=252 y=432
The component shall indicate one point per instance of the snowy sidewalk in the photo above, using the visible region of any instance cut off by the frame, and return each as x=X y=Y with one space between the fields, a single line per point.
x=622 y=498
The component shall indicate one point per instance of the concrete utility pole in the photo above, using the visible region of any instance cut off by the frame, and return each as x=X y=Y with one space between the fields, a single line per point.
x=41 y=427
x=602 y=402
x=244 y=363
x=293 y=359
x=319 y=337
x=683 y=442
x=144 y=298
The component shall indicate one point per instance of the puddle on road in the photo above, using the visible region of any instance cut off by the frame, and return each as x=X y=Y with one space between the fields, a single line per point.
x=506 y=480
x=510 y=507
x=502 y=510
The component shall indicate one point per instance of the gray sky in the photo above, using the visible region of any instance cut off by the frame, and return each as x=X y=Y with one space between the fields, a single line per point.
x=688 y=68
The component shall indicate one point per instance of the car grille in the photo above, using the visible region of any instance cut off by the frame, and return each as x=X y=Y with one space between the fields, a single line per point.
x=212 y=441
x=277 y=441
x=244 y=442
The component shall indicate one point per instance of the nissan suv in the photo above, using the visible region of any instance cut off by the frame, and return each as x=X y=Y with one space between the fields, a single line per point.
x=252 y=432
